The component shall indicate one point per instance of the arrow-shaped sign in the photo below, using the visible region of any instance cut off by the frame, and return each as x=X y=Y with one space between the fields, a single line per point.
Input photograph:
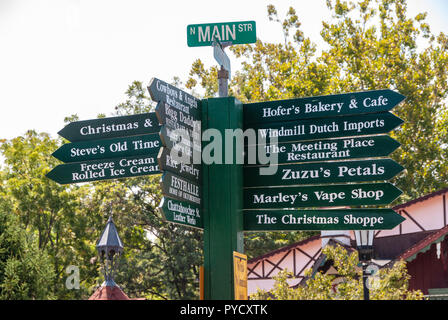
x=323 y=150
x=175 y=118
x=338 y=219
x=332 y=127
x=320 y=196
x=221 y=57
x=181 y=212
x=168 y=162
x=161 y=91
x=109 y=148
x=96 y=170
x=180 y=188
x=324 y=172
x=321 y=106
x=111 y=127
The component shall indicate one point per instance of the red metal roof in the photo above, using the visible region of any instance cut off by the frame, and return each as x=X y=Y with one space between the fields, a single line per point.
x=109 y=293
x=423 y=244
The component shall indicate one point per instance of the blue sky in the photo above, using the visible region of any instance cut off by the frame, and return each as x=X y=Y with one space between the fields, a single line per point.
x=64 y=57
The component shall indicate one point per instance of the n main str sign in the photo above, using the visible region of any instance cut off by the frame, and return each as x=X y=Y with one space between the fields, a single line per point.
x=230 y=32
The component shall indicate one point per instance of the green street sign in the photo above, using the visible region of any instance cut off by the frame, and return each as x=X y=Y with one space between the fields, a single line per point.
x=122 y=167
x=242 y=32
x=181 y=212
x=109 y=148
x=173 y=139
x=330 y=149
x=189 y=171
x=337 y=219
x=180 y=100
x=174 y=118
x=180 y=188
x=324 y=172
x=111 y=127
x=332 y=127
x=321 y=106
x=320 y=196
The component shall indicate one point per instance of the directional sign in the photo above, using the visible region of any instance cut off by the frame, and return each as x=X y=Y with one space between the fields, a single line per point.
x=322 y=106
x=338 y=219
x=111 y=127
x=180 y=188
x=109 y=148
x=175 y=118
x=177 y=98
x=183 y=139
x=323 y=150
x=331 y=127
x=221 y=57
x=181 y=212
x=96 y=170
x=168 y=162
x=228 y=32
x=320 y=196
x=324 y=172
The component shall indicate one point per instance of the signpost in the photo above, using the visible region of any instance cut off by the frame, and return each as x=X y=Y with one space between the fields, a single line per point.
x=242 y=32
x=330 y=149
x=320 y=196
x=240 y=275
x=189 y=171
x=337 y=219
x=112 y=127
x=221 y=57
x=96 y=170
x=323 y=106
x=108 y=148
x=330 y=127
x=318 y=139
x=181 y=212
x=324 y=172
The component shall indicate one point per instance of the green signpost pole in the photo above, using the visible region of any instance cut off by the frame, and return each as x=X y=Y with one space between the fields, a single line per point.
x=222 y=204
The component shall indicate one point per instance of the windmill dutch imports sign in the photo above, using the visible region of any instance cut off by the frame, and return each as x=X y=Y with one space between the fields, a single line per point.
x=330 y=127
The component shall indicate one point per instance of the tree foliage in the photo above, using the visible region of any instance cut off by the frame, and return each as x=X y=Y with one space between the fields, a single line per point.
x=371 y=44
x=386 y=284
x=46 y=227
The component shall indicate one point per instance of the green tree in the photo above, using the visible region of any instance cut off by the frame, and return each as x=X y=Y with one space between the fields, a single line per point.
x=25 y=270
x=388 y=284
x=370 y=44
x=52 y=213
